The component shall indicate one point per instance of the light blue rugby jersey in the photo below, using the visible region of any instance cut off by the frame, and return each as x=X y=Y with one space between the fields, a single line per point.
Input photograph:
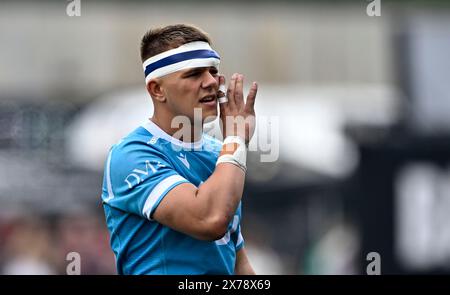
x=140 y=170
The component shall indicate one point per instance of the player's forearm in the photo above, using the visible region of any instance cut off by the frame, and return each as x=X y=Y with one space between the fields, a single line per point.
x=245 y=269
x=222 y=192
x=225 y=186
x=243 y=266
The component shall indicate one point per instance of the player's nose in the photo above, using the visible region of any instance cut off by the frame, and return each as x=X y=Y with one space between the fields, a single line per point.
x=210 y=81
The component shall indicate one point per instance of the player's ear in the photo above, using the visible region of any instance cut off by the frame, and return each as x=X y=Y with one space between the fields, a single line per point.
x=155 y=90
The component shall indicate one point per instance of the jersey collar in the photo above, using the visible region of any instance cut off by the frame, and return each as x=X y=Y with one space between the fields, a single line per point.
x=156 y=131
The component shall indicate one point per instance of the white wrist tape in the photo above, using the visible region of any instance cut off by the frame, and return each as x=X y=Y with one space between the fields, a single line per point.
x=223 y=89
x=223 y=99
x=238 y=157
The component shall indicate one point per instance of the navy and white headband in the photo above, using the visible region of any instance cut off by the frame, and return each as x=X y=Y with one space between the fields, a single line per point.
x=190 y=55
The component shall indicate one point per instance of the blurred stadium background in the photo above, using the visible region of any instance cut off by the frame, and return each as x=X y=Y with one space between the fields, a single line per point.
x=363 y=106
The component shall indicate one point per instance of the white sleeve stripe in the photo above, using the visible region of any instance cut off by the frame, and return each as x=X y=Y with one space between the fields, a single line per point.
x=240 y=239
x=108 y=179
x=158 y=190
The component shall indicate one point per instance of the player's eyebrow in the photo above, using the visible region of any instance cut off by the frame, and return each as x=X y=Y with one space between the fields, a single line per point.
x=201 y=69
x=192 y=71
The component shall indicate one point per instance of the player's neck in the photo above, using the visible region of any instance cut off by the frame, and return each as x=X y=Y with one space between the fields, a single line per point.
x=191 y=134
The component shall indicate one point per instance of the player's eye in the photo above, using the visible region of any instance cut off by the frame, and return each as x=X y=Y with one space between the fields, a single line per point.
x=213 y=71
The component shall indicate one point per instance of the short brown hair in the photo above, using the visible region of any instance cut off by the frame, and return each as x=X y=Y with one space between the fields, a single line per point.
x=160 y=39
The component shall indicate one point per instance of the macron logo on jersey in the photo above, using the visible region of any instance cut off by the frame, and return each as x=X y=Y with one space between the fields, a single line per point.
x=153 y=140
x=182 y=158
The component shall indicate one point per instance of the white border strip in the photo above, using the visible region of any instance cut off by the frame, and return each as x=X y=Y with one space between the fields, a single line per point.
x=108 y=180
x=157 y=191
x=240 y=239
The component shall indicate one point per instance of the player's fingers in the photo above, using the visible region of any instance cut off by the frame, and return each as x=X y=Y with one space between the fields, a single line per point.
x=223 y=109
x=251 y=97
x=231 y=91
x=239 y=92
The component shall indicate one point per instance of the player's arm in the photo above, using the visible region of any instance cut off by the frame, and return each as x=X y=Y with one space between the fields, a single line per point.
x=205 y=212
x=243 y=266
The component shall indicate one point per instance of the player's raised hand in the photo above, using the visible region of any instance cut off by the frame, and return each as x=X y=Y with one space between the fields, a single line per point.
x=238 y=117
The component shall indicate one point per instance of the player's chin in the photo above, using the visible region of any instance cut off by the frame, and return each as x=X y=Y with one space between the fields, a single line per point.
x=209 y=115
x=208 y=110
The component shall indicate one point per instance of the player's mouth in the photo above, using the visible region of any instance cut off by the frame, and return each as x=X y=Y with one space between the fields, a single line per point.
x=209 y=100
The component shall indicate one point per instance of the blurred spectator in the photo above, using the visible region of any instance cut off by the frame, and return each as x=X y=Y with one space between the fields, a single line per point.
x=28 y=249
x=39 y=245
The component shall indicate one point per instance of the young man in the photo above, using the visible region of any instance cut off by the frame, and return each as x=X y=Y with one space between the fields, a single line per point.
x=172 y=202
